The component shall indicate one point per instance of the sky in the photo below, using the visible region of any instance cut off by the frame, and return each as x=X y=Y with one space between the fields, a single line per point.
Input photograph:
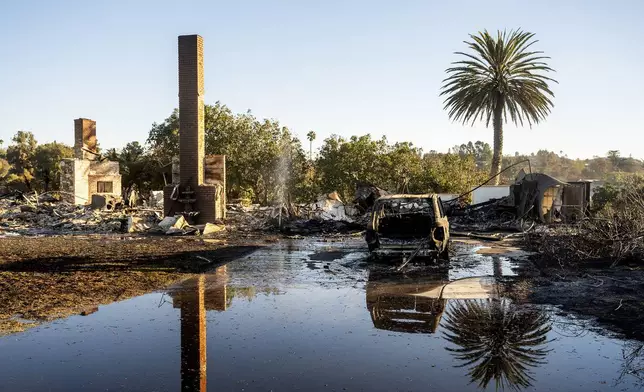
x=335 y=67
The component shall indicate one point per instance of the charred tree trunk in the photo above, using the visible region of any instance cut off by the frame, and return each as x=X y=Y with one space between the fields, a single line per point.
x=497 y=123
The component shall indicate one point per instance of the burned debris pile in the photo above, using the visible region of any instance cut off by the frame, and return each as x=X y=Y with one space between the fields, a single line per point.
x=534 y=199
x=366 y=196
x=492 y=215
x=613 y=234
x=44 y=214
x=32 y=214
x=328 y=214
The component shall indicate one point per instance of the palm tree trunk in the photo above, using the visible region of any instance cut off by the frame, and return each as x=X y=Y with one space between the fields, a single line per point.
x=497 y=122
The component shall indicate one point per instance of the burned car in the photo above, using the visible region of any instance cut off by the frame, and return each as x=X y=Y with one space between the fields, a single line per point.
x=409 y=223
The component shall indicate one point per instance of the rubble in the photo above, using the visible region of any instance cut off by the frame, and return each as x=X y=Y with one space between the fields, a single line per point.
x=366 y=195
x=167 y=222
x=137 y=224
x=328 y=214
x=614 y=234
x=30 y=214
x=330 y=207
x=44 y=214
x=534 y=198
x=319 y=227
x=493 y=215
x=106 y=202
x=156 y=199
x=211 y=228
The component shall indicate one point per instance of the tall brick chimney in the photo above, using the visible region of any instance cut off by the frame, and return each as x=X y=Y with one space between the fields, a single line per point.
x=191 y=110
x=84 y=138
x=200 y=191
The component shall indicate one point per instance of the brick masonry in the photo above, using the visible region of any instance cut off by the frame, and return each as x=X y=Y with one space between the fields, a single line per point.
x=205 y=175
x=215 y=175
x=79 y=178
x=191 y=110
x=84 y=137
x=80 y=175
x=208 y=197
x=208 y=203
x=67 y=180
x=215 y=169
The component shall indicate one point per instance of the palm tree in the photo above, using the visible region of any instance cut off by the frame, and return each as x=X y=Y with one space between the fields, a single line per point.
x=311 y=136
x=498 y=340
x=500 y=79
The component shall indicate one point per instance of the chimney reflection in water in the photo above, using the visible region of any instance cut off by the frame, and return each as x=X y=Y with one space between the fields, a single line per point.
x=193 y=337
x=193 y=298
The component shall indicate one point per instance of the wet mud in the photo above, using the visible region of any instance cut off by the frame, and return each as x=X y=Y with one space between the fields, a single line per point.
x=611 y=298
x=46 y=278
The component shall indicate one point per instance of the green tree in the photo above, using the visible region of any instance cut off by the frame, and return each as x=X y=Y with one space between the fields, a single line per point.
x=481 y=151
x=46 y=163
x=163 y=138
x=311 y=136
x=138 y=168
x=614 y=157
x=403 y=168
x=449 y=173
x=252 y=147
x=630 y=165
x=4 y=165
x=344 y=162
x=497 y=341
x=4 y=169
x=20 y=156
x=500 y=80
x=400 y=167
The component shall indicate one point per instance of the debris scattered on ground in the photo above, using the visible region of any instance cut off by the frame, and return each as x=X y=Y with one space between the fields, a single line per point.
x=328 y=214
x=366 y=196
x=156 y=199
x=614 y=234
x=493 y=215
x=22 y=214
x=137 y=224
x=211 y=228
x=167 y=222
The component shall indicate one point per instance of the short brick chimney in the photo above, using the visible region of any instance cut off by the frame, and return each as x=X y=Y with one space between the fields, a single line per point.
x=84 y=138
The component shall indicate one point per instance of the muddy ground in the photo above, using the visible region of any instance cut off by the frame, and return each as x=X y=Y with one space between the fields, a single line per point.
x=44 y=278
x=613 y=297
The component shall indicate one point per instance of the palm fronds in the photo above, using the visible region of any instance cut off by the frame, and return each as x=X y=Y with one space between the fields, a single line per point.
x=497 y=341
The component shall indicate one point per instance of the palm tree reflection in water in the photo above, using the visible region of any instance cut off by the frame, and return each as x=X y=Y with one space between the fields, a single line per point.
x=497 y=340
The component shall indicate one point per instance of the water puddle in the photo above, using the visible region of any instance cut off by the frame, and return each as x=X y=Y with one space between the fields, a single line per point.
x=319 y=316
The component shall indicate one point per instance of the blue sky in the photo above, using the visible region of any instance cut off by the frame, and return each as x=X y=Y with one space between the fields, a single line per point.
x=343 y=67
